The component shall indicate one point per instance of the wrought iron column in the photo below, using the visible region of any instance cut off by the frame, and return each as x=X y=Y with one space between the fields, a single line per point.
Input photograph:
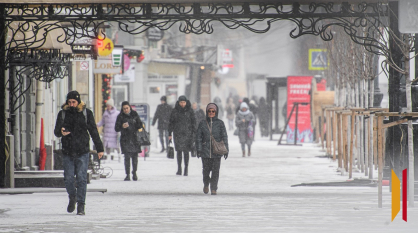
x=3 y=30
x=393 y=147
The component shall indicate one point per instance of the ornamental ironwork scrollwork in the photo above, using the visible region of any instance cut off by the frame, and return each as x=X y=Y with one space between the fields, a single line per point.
x=29 y=25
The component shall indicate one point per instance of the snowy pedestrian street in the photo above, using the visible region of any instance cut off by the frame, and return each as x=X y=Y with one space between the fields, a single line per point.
x=254 y=195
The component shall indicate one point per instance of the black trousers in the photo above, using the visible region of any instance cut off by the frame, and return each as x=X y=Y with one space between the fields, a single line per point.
x=128 y=157
x=211 y=165
x=162 y=137
x=179 y=158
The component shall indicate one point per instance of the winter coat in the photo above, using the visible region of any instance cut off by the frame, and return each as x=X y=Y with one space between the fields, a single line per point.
x=199 y=115
x=230 y=111
x=243 y=127
x=263 y=111
x=162 y=114
x=203 y=139
x=77 y=142
x=182 y=126
x=110 y=136
x=218 y=103
x=128 y=137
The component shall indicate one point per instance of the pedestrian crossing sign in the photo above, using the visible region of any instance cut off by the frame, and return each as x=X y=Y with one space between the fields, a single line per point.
x=318 y=59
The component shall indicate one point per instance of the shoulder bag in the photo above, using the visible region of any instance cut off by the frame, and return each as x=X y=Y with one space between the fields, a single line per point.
x=218 y=148
x=170 y=151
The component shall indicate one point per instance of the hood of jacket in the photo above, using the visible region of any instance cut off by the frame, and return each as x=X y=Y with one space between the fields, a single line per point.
x=216 y=114
x=80 y=107
x=186 y=108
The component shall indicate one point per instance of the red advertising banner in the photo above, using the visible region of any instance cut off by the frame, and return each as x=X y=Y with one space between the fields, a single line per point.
x=298 y=88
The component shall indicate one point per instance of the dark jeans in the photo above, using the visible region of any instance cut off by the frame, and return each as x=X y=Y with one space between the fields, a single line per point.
x=179 y=158
x=162 y=132
x=128 y=157
x=76 y=166
x=211 y=164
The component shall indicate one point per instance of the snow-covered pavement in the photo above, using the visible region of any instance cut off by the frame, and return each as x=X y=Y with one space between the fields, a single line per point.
x=254 y=195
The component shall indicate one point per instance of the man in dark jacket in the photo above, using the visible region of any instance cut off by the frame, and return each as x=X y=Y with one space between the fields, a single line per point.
x=128 y=122
x=74 y=124
x=210 y=162
x=162 y=114
x=182 y=125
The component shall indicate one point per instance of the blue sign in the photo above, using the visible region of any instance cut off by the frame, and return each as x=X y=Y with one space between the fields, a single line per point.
x=318 y=59
x=143 y=112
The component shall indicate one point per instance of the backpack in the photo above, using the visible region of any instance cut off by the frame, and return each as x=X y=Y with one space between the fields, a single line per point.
x=84 y=113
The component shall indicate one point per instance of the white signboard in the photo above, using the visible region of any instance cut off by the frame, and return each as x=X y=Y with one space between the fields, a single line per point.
x=127 y=77
x=105 y=67
x=408 y=16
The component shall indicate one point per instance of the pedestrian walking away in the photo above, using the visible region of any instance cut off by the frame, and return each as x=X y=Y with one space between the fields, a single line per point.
x=230 y=113
x=110 y=136
x=211 y=162
x=73 y=125
x=245 y=122
x=162 y=114
x=128 y=123
x=263 y=117
x=199 y=115
x=182 y=127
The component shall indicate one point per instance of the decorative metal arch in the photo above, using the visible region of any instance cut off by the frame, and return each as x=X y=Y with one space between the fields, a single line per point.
x=28 y=25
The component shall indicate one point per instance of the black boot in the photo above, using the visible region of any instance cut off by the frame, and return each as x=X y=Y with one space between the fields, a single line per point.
x=134 y=177
x=134 y=167
x=127 y=178
x=162 y=150
x=71 y=204
x=179 y=158
x=186 y=171
x=80 y=209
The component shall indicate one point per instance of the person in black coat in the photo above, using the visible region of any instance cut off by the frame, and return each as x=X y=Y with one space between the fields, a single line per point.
x=198 y=113
x=210 y=162
x=263 y=116
x=182 y=126
x=74 y=124
x=128 y=123
x=162 y=114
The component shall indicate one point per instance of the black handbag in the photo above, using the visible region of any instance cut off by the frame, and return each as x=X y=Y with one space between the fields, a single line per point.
x=170 y=151
x=143 y=138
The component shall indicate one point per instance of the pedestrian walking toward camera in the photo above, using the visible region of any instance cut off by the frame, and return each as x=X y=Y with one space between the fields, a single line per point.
x=245 y=124
x=110 y=136
x=162 y=114
x=73 y=125
x=128 y=123
x=182 y=127
x=211 y=129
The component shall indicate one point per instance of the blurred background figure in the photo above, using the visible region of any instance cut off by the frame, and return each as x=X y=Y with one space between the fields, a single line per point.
x=230 y=113
x=182 y=126
x=198 y=113
x=218 y=102
x=110 y=136
x=244 y=120
x=162 y=114
x=263 y=117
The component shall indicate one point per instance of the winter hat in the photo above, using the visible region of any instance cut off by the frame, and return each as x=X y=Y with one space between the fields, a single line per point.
x=211 y=106
x=182 y=98
x=163 y=98
x=110 y=102
x=74 y=95
x=243 y=105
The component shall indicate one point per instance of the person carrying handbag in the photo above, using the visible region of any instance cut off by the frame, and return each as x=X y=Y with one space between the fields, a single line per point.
x=208 y=130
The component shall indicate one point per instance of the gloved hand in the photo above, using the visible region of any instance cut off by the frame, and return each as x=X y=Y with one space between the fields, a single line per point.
x=226 y=156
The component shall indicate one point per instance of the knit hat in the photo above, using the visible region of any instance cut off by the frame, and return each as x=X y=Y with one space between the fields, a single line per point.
x=74 y=95
x=163 y=98
x=182 y=98
x=110 y=102
x=243 y=105
x=211 y=106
